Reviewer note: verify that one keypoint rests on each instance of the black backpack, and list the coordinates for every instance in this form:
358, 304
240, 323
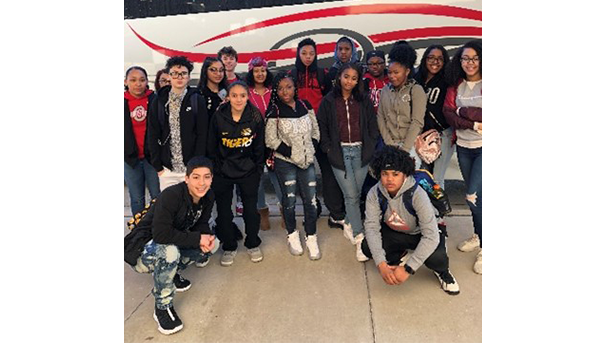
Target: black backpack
436, 195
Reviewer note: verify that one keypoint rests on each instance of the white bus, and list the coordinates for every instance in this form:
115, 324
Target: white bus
155, 30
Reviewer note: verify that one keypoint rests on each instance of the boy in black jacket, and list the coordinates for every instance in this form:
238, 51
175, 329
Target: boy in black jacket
173, 234
178, 124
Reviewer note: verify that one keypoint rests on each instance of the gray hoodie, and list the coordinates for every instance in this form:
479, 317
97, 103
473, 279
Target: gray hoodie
427, 226
398, 126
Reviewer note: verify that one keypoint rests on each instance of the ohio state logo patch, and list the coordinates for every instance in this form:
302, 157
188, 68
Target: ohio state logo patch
139, 113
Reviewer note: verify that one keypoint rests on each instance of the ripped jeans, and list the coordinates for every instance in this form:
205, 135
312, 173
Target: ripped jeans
292, 177
470, 162
164, 260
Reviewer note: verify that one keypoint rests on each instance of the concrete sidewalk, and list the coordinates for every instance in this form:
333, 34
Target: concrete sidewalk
292, 299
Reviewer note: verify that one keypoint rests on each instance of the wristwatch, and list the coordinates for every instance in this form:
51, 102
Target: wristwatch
408, 269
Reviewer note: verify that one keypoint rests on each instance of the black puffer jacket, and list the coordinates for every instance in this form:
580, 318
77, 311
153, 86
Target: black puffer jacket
193, 118
172, 219
330, 140
237, 149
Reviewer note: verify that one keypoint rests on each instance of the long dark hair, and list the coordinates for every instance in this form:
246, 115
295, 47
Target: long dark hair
421, 74
204, 73
250, 78
455, 72
358, 91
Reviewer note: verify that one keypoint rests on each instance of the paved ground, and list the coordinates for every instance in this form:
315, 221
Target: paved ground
336, 299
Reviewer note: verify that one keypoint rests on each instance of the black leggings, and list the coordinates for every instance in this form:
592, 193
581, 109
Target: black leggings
249, 187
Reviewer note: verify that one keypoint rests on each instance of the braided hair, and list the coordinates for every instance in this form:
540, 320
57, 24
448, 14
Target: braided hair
275, 99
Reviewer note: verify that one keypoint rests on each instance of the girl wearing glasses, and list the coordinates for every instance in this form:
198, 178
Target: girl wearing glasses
162, 79
348, 128
463, 111
431, 77
213, 83
138, 172
375, 77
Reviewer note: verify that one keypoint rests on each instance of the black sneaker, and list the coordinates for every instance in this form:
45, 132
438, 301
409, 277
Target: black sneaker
168, 321
335, 224
448, 282
181, 283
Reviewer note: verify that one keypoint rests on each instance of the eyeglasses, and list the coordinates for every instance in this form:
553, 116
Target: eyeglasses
466, 59
177, 75
376, 64
433, 59
215, 70
166, 81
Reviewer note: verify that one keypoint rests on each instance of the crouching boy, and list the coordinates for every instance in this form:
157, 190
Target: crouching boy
173, 234
400, 217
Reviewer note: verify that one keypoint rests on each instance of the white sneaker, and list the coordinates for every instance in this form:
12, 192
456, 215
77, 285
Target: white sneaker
448, 282
477, 267
360, 256
470, 244
348, 233
294, 244
312, 247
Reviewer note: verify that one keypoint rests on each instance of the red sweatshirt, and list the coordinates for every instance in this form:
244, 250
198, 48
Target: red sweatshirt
138, 116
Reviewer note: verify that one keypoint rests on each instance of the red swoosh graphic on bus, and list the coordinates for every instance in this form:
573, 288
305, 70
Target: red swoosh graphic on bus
426, 32
323, 48
441, 10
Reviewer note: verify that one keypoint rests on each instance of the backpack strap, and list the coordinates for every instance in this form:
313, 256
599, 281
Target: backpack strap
407, 200
382, 203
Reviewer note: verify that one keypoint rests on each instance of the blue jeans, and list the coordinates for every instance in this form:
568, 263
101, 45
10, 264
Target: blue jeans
136, 178
441, 164
351, 181
164, 260
290, 176
273, 178
470, 162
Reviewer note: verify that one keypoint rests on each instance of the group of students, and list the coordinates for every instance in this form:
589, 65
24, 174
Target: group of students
360, 127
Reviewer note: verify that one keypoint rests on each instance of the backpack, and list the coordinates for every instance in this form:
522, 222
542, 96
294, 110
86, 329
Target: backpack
132, 223
136, 239
436, 195
428, 145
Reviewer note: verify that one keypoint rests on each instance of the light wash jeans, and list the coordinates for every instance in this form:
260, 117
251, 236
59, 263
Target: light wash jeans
164, 260
136, 178
351, 181
441, 164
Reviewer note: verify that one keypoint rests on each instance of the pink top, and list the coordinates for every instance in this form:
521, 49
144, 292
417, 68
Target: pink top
260, 101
